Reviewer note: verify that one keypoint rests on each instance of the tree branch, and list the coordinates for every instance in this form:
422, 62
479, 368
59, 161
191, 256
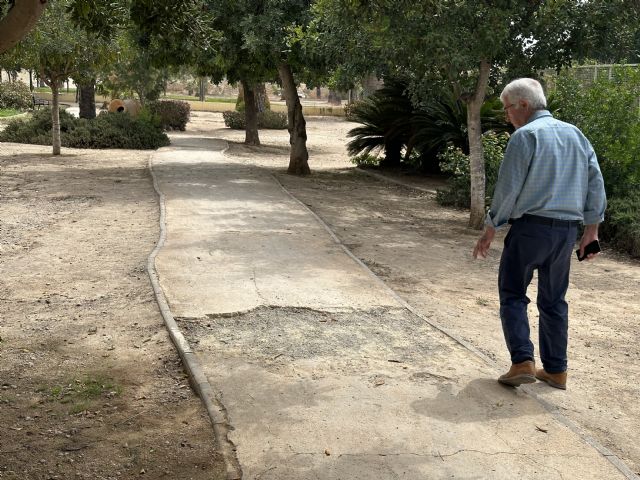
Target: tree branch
19, 21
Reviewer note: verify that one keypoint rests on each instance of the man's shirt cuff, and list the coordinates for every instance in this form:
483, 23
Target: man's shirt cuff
488, 221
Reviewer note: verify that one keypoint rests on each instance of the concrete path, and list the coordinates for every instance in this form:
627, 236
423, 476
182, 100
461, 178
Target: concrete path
323, 373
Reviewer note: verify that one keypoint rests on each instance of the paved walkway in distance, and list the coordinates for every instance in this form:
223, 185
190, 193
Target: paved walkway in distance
324, 375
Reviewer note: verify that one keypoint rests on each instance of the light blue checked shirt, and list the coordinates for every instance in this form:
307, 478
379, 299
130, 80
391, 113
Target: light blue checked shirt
549, 169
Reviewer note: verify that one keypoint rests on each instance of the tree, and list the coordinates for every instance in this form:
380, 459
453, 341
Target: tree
134, 70
17, 20
469, 45
57, 50
53, 47
267, 35
91, 63
268, 39
234, 60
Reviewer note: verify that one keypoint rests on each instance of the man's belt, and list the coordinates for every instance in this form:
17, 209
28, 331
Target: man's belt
551, 222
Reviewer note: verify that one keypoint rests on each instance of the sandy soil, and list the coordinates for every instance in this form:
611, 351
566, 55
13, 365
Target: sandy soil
90, 385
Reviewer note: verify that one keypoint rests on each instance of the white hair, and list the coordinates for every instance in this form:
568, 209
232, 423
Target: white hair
525, 89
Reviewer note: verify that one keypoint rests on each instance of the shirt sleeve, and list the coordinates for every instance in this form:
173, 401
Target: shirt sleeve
511, 177
596, 201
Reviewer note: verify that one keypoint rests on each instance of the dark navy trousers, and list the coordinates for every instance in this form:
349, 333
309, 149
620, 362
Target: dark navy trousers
547, 247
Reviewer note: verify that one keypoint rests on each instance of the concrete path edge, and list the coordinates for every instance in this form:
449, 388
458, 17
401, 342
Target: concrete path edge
215, 410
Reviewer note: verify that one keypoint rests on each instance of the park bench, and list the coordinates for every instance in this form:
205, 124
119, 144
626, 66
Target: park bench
39, 102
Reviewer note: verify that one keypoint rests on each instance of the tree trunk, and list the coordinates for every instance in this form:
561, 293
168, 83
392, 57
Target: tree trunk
476, 154
55, 118
87, 99
19, 21
299, 156
392, 154
262, 101
251, 136
240, 99
202, 92
333, 98
370, 84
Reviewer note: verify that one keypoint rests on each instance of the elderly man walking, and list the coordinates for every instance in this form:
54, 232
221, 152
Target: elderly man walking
549, 183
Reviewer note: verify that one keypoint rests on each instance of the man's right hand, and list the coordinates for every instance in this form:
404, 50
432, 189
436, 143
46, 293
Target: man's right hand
484, 242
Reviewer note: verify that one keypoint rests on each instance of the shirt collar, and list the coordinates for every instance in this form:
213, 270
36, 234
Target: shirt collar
539, 114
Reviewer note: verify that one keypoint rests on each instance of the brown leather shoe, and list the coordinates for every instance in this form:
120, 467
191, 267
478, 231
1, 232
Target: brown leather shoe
519, 373
555, 380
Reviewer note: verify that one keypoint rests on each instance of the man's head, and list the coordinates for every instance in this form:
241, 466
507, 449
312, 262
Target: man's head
521, 98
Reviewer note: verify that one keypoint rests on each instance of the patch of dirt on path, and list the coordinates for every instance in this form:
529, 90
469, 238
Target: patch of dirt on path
423, 252
90, 384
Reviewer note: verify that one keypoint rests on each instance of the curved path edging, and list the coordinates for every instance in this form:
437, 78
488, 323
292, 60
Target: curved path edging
215, 410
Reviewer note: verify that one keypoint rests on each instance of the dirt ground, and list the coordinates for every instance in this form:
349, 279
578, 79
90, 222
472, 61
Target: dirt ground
90, 385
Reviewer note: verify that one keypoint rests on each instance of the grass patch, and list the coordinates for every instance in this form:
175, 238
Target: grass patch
48, 90
8, 112
483, 302
197, 99
81, 394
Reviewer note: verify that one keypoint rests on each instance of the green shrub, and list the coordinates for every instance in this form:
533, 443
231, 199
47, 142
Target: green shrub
173, 114
622, 224
37, 128
107, 130
455, 162
267, 120
385, 118
272, 120
234, 120
116, 130
349, 110
365, 160
15, 95
607, 113
415, 133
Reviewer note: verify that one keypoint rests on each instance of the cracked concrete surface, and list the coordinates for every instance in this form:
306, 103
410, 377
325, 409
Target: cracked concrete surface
323, 374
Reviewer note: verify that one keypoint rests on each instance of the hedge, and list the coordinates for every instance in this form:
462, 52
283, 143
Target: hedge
107, 130
173, 114
15, 95
267, 119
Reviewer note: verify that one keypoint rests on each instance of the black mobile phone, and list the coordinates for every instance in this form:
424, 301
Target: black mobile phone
593, 247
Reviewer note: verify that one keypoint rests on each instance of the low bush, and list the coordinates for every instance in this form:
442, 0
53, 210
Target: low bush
622, 224
456, 163
267, 120
365, 160
36, 129
173, 114
607, 113
234, 120
349, 111
411, 132
107, 130
15, 95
